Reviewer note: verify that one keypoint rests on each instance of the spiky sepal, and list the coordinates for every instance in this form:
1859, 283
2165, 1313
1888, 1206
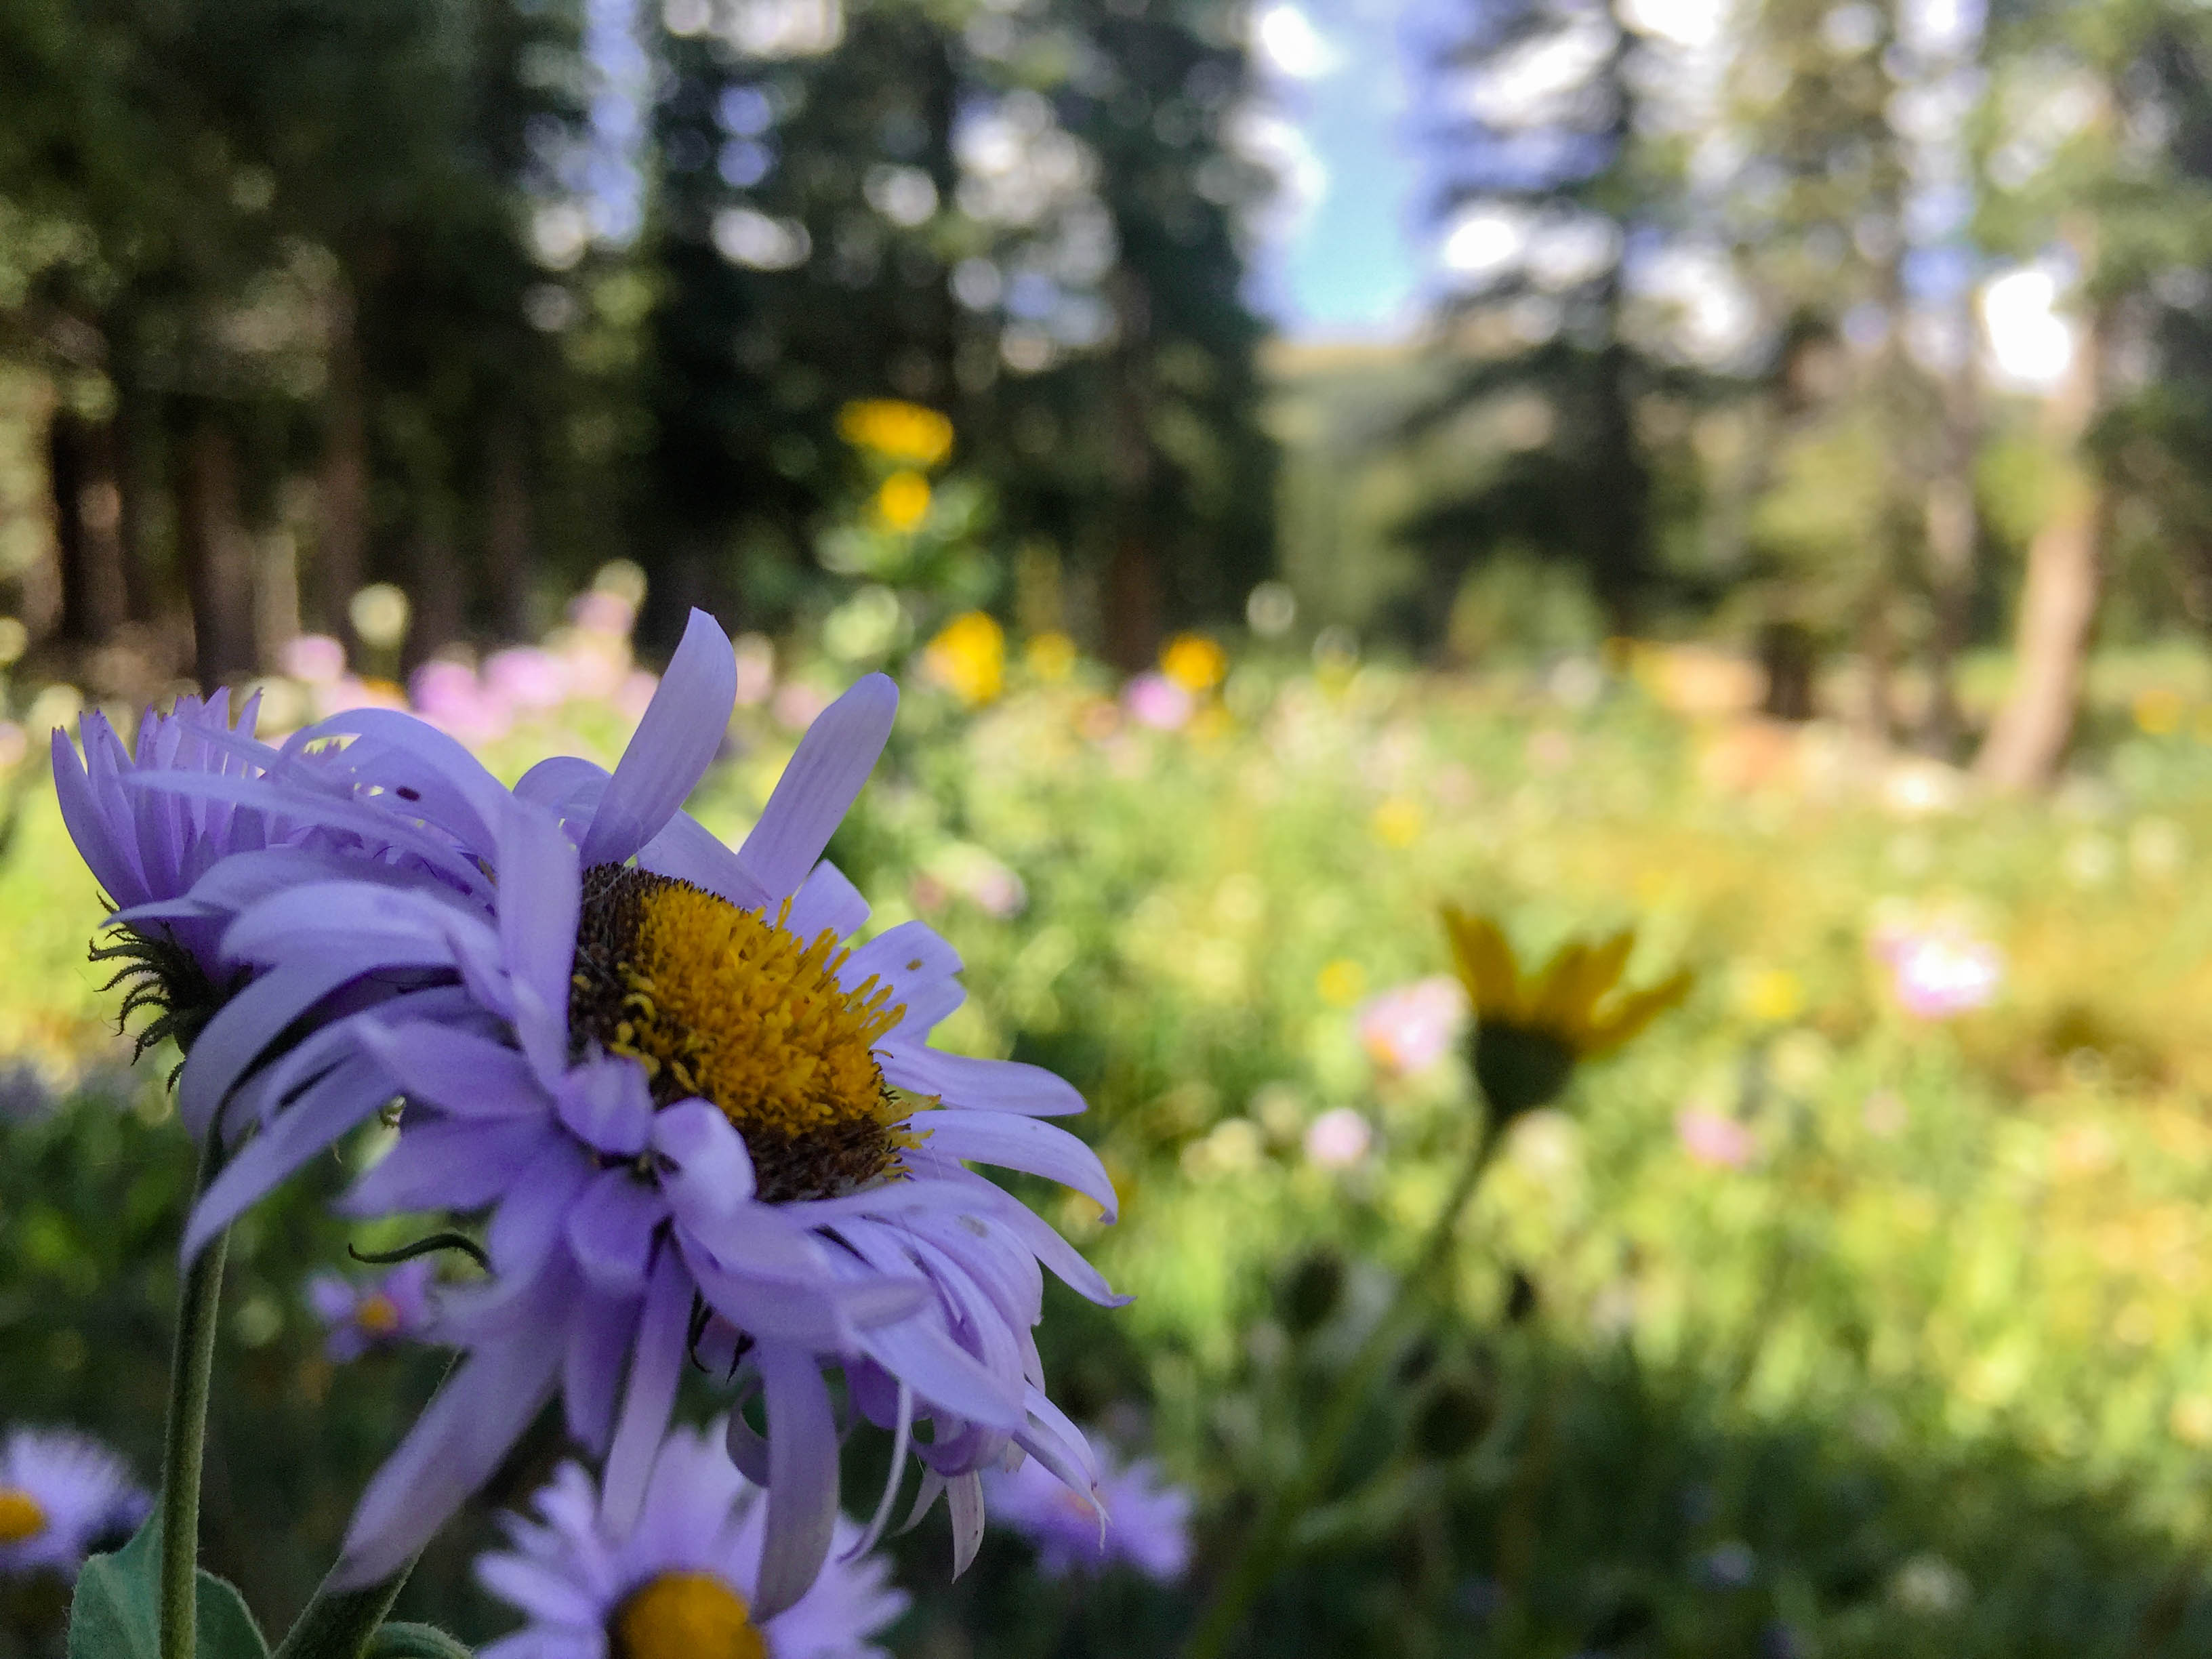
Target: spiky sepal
159, 974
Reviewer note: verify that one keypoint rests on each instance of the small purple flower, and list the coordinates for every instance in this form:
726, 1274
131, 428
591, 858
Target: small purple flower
449, 695
635, 695
679, 1578
1156, 701
1338, 1138
1728, 1566
24, 1096
601, 612
527, 678
1941, 971
1714, 1139
1139, 1517
62, 1496
397, 1309
756, 656
797, 705
314, 659
1411, 1028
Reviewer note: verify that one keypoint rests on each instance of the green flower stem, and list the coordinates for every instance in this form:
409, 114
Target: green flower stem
340, 1623
199, 1299
1256, 1563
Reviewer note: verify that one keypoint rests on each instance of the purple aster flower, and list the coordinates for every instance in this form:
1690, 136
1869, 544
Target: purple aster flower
398, 1308
143, 849
701, 1120
202, 821
1137, 1517
63, 1496
679, 1578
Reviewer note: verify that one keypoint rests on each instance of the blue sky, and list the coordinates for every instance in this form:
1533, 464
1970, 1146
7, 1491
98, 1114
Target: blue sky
1345, 260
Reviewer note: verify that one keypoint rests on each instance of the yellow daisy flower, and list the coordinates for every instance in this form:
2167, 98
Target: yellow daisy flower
1533, 1029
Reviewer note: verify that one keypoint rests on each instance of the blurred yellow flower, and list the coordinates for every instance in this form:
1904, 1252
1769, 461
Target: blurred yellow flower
896, 431
1209, 727
969, 657
1051, 657
903, 501
1194, 662
2191, 1421
1341, 982
1560, 1003
1397, 821
2158, 712
1772, 995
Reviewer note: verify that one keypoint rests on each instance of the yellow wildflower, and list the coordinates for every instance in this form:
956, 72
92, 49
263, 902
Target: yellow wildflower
1397, 821
897, 431
969, 657
1532, 1030
1341, 982
903, 501
1194, 662
2158, 712
1051, 657
1772, 995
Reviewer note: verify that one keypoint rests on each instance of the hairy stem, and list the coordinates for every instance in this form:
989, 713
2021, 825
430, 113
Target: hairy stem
1261, 1555
199, 1297
339, 1623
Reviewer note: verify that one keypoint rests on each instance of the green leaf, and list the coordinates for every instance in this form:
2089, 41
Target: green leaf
116, 1612
226, 1627
413, 1642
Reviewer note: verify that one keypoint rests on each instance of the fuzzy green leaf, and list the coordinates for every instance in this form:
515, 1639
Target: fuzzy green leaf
413, 1642
116, 1612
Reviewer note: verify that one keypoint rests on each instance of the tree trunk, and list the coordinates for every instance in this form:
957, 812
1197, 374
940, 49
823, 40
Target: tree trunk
138, 472
1129, 598
1953, 531
275, 595
439, 613
218, 559
341, 553
2058, 604
88, 528
507, 547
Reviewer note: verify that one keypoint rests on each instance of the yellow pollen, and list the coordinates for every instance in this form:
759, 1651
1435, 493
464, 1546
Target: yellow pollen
685, 1615
377, 1315
727, 1006
21, 1515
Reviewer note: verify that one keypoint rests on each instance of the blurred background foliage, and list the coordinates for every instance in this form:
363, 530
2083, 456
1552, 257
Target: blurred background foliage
1797, 455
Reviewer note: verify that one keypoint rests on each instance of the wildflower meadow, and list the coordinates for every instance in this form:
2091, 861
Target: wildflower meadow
1561, 1169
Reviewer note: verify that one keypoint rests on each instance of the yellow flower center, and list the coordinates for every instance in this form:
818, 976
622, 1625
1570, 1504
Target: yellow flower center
21, 1515
685, 1615
377, 1315
723, 1004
